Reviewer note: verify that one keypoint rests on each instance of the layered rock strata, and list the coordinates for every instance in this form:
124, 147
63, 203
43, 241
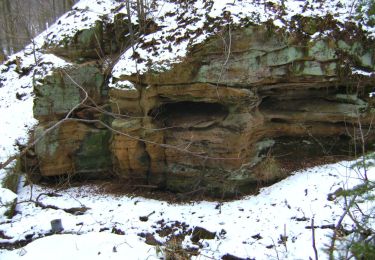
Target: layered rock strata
220, 121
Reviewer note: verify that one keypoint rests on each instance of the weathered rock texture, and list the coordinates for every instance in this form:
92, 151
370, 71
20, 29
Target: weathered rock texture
219, 121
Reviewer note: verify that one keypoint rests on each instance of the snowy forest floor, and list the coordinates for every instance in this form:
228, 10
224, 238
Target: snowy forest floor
274, 224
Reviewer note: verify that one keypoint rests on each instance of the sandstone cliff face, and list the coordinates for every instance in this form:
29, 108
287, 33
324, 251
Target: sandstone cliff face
223, 120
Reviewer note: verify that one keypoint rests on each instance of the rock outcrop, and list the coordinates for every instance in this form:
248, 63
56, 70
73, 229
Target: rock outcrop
223, 120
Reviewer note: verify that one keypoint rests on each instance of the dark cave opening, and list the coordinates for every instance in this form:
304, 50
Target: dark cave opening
183, 112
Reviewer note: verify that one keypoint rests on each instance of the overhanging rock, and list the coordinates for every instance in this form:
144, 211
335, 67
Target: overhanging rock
223, 122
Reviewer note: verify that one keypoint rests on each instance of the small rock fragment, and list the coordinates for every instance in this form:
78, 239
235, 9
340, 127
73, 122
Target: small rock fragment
202, 233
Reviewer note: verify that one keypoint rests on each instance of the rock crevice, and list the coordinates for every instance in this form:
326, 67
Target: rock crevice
214, 122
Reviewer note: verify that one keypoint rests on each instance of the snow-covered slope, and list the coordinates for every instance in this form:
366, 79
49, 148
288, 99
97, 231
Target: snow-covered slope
251, 227
17, 75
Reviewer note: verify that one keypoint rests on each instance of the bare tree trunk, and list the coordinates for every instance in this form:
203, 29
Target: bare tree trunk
7, 26
128, 10
141, 15
54, 8
21, 20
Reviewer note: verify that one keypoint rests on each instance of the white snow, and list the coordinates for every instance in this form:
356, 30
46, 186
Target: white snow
270, 214
7, 197
194, 27
244, 228
17, 75
16, 97
122, 84
84, 14
93, 245
362, 72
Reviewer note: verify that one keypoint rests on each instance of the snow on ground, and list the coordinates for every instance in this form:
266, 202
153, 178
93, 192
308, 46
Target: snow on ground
17, 76
250, 227
6, 198
93, 245
16, 106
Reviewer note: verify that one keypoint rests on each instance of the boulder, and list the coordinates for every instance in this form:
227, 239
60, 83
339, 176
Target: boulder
201, 233
221, 122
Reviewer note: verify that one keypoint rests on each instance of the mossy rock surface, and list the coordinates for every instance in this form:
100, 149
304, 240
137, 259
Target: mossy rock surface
60, 92
94, 154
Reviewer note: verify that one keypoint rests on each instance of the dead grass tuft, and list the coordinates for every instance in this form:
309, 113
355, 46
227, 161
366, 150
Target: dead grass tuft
269, 170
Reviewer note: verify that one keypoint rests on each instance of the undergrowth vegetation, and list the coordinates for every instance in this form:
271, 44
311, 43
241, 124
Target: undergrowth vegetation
11, 181
358, 202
